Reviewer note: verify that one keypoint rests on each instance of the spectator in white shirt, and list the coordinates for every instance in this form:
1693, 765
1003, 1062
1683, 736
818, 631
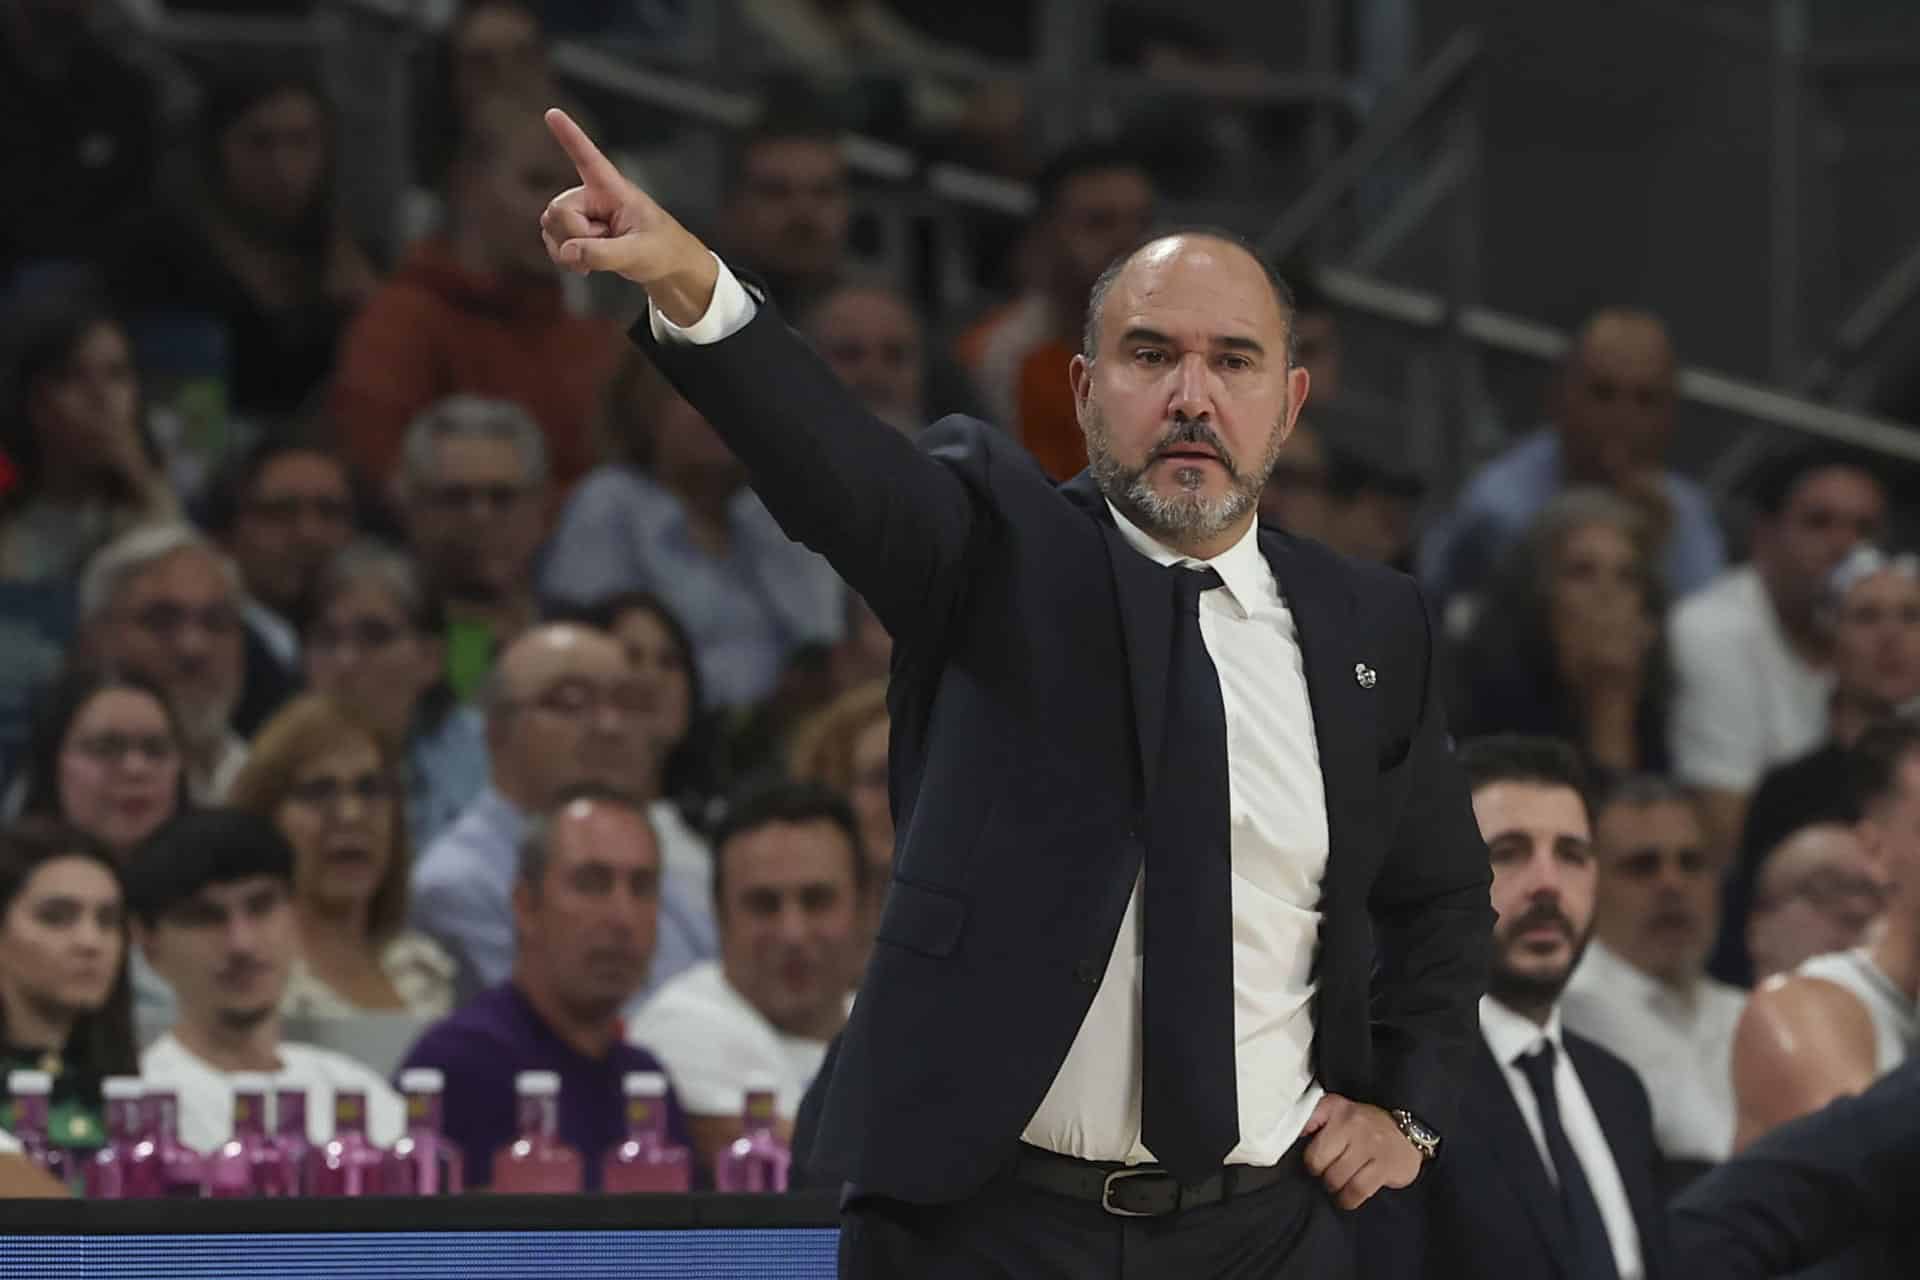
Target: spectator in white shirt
788, 876
212, 899
1751, 656
1642, 990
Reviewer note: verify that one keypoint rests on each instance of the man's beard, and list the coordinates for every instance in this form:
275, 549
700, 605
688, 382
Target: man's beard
1187, 516
1530, 990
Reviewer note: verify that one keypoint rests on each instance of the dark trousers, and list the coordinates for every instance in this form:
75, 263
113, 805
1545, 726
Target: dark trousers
1016, 1232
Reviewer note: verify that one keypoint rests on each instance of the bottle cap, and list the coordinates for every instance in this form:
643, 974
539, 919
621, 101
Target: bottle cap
123, 1089
29, 1082
422, 1080
645, 1084
538, 1084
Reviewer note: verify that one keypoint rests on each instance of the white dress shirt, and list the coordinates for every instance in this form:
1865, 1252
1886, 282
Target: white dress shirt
1678, 1040
1511, 1037
1278, 842
206, 1092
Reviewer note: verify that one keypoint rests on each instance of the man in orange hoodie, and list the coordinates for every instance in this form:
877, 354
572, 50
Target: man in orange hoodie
479, 309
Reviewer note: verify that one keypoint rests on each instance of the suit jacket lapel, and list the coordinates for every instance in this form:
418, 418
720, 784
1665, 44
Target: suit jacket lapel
1343, 711
1516, 1153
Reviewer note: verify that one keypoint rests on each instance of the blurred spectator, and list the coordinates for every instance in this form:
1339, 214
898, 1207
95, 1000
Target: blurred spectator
164, 601
563, 711
1613, 421
1372, 504
1297, 497
212, 901
1095, 202
871, 337
479, 310
1844, 1019
670, 773
788, 878
1556, 1174
1641, 991
77, 464
260, 248
474, 487
78, 126
107, 757
491, 49
327, 780
1567, 642
378, 643
64, 1004
844, 748
1815, 892
282, 510
785, 210
585, 893
677, 519
1872, 609
1751, 657
1317, 344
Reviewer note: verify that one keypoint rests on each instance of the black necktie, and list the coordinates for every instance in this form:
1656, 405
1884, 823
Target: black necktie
1189, 1108
1587, 1232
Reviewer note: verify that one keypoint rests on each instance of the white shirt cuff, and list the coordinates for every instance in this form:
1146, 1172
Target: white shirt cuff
727, 314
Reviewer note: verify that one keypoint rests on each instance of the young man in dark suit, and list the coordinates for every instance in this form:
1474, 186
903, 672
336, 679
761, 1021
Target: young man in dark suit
1189, 914
1551, 1169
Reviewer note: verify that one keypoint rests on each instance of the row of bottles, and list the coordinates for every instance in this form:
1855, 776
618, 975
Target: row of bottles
144, 1159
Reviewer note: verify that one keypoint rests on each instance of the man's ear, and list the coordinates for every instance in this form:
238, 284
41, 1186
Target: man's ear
1080, 378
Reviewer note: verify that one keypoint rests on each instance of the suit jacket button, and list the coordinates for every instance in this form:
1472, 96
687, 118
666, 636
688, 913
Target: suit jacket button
1087, 972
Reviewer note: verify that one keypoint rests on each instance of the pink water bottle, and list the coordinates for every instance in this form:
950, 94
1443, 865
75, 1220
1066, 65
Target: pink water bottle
425, 1162
123, 1169
32, 1094
182, 1170
290, 1133
248, 1164
349, 1164
537, 1162
648, 1160
757, 1160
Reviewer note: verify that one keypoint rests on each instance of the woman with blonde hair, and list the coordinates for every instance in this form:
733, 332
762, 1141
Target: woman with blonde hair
844, 745
325, 776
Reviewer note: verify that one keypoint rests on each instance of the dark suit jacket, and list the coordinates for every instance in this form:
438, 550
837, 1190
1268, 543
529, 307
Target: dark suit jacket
1830, 1195
1027, 693
1486, 1207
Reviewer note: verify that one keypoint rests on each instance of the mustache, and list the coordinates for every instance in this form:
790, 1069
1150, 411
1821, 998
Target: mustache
1535, 916
1187, 431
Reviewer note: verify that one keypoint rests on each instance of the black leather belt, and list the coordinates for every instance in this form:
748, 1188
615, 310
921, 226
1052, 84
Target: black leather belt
1142, 1190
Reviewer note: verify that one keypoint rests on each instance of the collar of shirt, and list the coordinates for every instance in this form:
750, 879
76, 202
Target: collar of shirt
1509, 1035
1241, 566
1609, 971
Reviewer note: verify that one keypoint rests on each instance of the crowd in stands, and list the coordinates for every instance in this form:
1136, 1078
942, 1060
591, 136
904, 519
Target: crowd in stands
390, 644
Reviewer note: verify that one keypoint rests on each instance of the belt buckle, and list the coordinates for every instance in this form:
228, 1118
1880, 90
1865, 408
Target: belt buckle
1119, 1175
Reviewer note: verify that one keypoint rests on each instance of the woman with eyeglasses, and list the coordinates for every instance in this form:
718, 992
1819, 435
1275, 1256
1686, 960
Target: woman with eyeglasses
377, 643
322, 773
65, 1005
107, 755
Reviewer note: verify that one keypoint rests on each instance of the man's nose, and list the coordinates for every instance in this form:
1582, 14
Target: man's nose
1193, 387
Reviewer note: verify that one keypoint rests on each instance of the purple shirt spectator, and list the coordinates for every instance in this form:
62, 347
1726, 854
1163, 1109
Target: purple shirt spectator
482, 1046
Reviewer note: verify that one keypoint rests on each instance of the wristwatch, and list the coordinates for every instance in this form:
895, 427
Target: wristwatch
1424, 1140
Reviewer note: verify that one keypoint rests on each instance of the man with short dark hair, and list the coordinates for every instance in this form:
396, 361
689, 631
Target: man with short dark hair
1094, 202
586, 898
1553, 1171
212, 902
870, 336
1844, 1019
1642, 991
1752, 660
282, 512
788, 873
786, 207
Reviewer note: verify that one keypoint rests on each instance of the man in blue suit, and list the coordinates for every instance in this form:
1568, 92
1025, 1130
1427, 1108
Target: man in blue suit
1189, 915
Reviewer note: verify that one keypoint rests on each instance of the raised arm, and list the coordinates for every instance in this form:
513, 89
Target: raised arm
895, 522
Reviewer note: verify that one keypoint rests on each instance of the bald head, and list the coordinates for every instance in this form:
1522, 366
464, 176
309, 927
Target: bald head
1817, 891
1185, 389
562, 708
1616, 392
